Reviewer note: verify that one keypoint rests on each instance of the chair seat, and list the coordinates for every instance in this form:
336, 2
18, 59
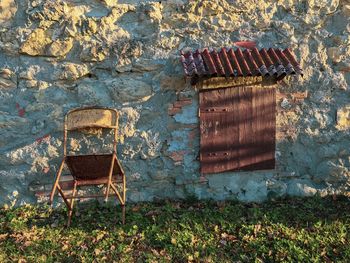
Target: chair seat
92, 167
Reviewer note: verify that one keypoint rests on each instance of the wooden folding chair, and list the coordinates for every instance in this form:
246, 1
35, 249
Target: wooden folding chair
91, 169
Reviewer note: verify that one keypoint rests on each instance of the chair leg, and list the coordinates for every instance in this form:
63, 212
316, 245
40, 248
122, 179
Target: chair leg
124, 199
124, 188
109, 178
63, 196
70, 208
56, 184
123, 214
107, 191
121, 200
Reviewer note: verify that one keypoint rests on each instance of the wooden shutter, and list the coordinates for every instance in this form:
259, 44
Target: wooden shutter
237, 127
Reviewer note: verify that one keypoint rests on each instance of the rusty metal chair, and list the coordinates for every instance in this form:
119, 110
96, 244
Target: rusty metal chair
91, 169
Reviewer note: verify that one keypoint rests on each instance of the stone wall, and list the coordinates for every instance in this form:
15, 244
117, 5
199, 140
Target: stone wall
57, 55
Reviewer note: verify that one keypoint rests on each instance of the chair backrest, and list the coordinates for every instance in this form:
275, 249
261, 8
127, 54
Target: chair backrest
90, 117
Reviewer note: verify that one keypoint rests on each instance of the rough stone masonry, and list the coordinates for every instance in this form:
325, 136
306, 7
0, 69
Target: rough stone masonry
56, 55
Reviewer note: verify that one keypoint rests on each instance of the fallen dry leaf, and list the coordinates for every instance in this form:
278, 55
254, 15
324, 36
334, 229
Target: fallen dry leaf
97, 251
136, 208
228, 237
3, 236
152, 213
257, 229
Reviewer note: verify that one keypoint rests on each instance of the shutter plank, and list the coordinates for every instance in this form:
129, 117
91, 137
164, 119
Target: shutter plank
264, 126
232, 129
218, 132
259, 127
270, 128
246, 150
207, 131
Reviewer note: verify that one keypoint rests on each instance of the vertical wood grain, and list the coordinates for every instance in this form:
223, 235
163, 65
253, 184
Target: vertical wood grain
237, 129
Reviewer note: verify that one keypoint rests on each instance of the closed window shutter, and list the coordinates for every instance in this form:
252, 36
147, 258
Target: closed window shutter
237, 127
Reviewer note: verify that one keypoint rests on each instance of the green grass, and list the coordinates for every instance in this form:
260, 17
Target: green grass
292, 230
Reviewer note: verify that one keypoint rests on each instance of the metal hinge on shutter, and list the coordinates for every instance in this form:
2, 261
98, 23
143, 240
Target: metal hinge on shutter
218, 154
215, 110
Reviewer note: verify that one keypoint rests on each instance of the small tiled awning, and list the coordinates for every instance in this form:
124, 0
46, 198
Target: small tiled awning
229, 62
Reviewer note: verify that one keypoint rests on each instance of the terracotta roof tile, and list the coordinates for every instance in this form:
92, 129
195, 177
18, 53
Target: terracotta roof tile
237, 62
